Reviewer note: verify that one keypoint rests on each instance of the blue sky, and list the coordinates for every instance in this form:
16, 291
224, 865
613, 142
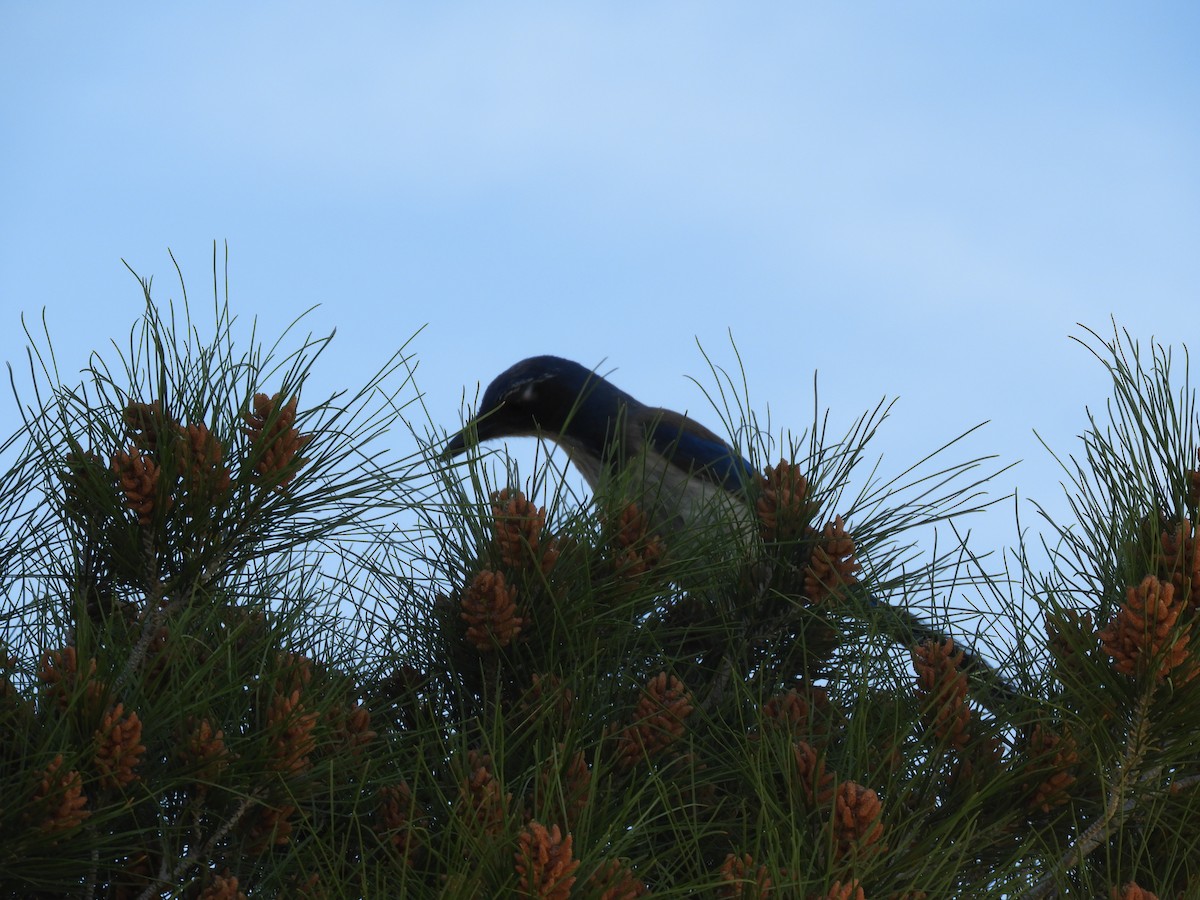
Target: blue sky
917, 200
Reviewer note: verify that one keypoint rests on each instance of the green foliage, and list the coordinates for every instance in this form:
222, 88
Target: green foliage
248, 652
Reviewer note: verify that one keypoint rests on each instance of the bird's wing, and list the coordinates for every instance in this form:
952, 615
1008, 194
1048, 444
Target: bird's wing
693, 447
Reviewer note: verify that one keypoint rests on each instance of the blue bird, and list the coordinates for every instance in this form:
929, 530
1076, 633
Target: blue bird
682, 473
683, 468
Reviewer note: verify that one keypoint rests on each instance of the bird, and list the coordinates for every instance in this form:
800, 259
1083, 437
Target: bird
682, 473
678, 470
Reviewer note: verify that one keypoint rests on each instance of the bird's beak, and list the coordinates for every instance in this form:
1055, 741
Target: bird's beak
461, 442
479, 429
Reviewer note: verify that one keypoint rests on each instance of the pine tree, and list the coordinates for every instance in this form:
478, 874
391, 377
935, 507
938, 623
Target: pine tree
250, 651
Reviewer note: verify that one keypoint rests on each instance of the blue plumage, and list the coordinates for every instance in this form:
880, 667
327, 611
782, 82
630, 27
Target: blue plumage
604, 431
692, 446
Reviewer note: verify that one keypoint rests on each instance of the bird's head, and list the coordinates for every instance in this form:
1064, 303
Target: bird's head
542, 395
